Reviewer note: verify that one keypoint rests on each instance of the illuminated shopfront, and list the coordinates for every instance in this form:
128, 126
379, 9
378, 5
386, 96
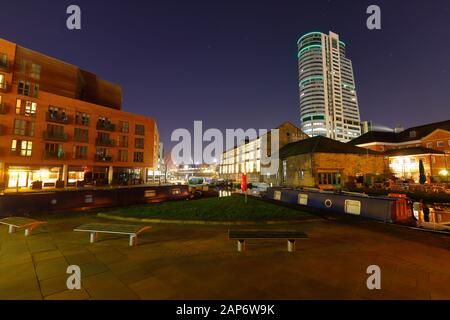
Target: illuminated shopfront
23, 177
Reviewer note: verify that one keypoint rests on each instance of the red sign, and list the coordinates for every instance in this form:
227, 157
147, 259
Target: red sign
244, 183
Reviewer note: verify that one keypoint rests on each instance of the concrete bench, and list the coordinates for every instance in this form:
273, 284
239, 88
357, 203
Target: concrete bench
28, 224
289, 235
127, 229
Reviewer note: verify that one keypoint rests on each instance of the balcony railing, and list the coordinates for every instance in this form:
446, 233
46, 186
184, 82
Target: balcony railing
55, 136
55, 155
107, 126
103, 158
4, 65
18, 153
105, 142
3, 108
83, 139
79, 156
58, 117
4, 86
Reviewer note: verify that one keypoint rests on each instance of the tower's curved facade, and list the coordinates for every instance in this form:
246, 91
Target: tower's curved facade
328, 100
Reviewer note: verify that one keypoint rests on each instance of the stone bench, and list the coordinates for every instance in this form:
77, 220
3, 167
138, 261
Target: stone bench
126, 229
28, 224
242, 235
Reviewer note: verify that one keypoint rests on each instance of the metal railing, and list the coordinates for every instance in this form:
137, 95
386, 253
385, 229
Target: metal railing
55, 136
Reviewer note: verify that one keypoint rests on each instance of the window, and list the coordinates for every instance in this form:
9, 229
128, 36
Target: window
430, 145
332, 178
30, 108
440, 144
82, 118
26, 108
124, 126
138, 157
123, 141
22, 147
301, 175
139, 129
139, 143
123, 156
81, 135
23, 127
277, 195
36, 91
24, 88
35, 71
284, 169
23, 66
2, 81
353, 207
303, 199
3, 60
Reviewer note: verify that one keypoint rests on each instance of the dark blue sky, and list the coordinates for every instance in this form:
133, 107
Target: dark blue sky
234, 63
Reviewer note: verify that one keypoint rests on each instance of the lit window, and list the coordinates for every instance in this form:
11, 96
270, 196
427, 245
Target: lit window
30, 108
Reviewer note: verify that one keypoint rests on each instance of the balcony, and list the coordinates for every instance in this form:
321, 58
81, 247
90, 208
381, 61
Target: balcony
103, 158
4, 65
3, 108
4, 87
79, 156
106, 126
55, 136
54, 155
18, 153
105, 142
58, 117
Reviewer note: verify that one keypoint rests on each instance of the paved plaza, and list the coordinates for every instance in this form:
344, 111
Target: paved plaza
199, 262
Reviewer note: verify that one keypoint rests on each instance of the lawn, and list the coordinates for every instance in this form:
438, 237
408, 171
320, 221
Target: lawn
213, 209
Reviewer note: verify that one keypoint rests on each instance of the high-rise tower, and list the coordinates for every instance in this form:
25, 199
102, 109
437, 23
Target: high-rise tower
328, 100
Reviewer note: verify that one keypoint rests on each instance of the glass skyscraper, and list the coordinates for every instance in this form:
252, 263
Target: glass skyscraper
328, 99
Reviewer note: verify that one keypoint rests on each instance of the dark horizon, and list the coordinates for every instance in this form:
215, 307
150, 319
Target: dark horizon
234, 65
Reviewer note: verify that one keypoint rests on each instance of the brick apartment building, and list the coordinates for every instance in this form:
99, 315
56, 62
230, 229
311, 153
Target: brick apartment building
62, 126
404, 150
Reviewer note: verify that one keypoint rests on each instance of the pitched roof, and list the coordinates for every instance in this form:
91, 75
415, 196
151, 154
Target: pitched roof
411, 151
322, 145
411, 134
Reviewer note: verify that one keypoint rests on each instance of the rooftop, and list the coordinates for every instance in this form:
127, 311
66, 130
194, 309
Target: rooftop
411, 151
322, 145
411, 134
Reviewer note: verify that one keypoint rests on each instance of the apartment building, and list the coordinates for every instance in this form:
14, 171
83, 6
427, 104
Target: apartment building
63, 126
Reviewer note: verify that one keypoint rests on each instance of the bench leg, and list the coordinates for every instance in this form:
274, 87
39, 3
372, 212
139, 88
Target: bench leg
133, 240
11, 229
241, 245
291, 245
93, 237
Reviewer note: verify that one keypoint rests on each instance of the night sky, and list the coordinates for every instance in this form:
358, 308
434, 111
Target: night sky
233, 64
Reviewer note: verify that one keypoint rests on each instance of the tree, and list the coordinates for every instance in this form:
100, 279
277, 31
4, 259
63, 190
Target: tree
422, 177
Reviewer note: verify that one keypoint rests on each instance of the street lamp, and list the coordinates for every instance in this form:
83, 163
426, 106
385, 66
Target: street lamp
444, 173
